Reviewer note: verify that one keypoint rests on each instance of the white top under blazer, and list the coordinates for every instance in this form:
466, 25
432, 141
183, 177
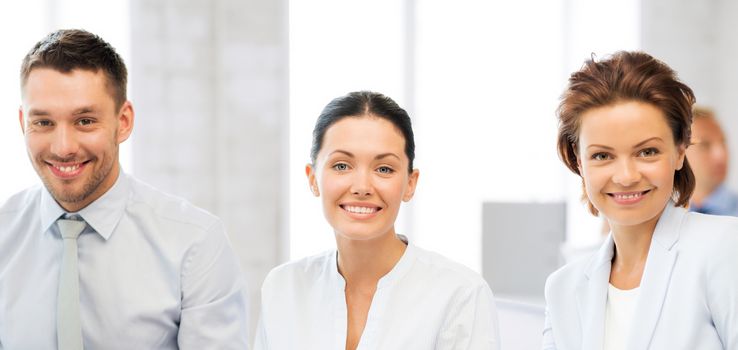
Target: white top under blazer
425, 302
688, 296
619, 315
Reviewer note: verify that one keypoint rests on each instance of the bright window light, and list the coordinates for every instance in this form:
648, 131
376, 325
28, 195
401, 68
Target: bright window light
481, 80
333, 51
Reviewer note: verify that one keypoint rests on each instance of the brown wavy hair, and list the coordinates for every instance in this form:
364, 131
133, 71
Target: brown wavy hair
621, 77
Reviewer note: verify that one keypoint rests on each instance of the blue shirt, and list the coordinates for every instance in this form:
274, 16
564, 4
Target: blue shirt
155, 272
722, 201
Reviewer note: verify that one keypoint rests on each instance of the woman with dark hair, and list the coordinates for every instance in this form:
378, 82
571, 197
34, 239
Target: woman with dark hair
664, 278
377, 290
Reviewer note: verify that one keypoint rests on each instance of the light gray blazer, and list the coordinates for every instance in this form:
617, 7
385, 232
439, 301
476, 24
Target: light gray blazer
688, 297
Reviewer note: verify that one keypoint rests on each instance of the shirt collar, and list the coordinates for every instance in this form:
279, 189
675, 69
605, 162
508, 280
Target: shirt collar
50, 209
668, 228
665, 235
402, 267
398, 271
102, 215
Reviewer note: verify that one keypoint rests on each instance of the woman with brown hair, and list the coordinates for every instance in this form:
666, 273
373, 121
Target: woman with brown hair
664, 278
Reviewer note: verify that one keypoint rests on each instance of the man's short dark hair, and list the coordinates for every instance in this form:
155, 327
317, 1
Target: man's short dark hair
68, 49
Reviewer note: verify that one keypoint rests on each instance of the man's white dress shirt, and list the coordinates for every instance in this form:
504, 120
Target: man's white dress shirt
425, 302
155, 272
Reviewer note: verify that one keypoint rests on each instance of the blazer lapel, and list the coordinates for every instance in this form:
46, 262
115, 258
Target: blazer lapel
656, 276
592, 296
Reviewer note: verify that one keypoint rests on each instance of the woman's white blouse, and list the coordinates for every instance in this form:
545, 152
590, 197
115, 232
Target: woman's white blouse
619, 316
425, 302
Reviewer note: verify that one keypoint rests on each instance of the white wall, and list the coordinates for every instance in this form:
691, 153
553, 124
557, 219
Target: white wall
336, 46
487, 78
211, 95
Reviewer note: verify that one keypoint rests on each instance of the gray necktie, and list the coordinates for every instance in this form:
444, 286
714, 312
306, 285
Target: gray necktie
68, 323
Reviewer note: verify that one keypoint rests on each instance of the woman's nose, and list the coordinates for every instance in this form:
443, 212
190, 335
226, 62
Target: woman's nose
627, 173
361, 184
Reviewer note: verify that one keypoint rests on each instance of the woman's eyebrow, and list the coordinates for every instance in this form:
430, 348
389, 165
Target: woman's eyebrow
385, 155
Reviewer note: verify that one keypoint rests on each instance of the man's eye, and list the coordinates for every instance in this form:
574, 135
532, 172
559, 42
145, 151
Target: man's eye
42, 122
86, 121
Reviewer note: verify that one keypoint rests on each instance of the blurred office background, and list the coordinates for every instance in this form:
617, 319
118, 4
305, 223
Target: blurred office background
226, 92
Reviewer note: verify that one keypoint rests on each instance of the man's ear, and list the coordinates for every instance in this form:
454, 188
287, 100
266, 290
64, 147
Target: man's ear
126, 117
20, 120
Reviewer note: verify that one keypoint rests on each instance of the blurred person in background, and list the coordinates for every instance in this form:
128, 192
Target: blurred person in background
709, 156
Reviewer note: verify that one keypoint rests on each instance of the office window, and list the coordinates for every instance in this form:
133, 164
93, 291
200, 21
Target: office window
336, 47
481, 81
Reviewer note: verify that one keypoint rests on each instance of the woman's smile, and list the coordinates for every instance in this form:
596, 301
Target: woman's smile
360, 211
628, 198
